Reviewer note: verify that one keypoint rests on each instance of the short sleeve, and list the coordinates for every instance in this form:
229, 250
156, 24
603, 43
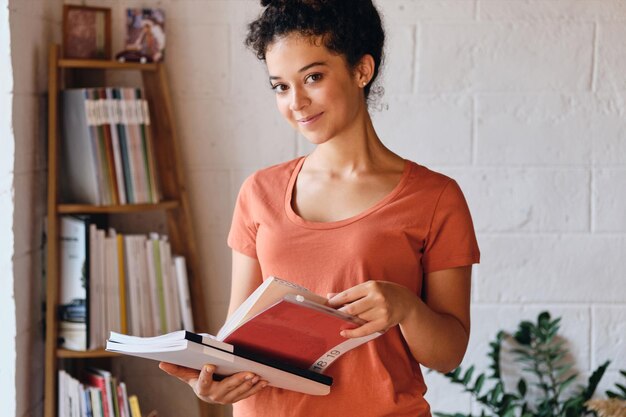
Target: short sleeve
451, 240
243, 229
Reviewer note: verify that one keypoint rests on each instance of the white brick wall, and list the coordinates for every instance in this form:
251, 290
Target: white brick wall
522, 101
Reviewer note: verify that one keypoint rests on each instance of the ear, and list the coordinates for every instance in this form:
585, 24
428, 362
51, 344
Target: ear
364, 70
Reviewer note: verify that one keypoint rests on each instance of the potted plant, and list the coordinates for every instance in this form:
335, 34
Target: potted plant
543, 356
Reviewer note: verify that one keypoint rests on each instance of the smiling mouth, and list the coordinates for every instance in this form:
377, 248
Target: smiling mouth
310, 119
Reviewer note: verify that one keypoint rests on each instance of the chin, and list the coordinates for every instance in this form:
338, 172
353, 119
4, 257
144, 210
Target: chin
315, 139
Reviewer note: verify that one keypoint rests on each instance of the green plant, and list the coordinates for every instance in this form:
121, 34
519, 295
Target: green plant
543, 355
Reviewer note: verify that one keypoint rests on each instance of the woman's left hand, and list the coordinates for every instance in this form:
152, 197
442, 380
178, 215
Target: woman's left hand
381, 304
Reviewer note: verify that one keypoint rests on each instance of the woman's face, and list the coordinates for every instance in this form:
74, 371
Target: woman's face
315, 90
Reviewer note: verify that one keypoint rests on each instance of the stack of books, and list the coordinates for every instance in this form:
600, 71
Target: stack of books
126, 283
107, 151
282, 332
99, 394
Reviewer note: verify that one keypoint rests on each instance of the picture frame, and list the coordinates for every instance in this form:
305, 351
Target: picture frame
145, 36
86, 32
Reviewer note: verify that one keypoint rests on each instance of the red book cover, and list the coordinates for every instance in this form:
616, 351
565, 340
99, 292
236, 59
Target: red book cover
98, 382
296, 331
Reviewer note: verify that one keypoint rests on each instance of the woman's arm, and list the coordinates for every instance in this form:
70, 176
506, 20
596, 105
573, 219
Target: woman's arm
435, 327
246, 276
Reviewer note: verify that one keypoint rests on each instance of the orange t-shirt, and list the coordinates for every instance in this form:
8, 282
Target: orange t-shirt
423, 225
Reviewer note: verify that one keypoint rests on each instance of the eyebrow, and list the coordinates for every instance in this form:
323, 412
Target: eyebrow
304, 68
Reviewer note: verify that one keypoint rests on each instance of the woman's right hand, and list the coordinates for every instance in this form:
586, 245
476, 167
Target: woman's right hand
227, 391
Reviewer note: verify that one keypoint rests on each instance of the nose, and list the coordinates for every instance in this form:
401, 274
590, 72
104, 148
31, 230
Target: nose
299, 99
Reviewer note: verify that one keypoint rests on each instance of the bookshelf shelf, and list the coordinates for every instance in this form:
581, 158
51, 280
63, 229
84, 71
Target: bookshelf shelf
74, 354
69, 73
106, 64
126, 208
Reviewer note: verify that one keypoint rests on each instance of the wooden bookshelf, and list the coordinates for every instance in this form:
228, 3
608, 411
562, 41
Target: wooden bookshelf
125, 208
74, 354
104, 64
175, 204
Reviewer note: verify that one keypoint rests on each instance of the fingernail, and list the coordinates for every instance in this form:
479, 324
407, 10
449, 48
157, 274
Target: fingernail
255, 379
249, 377
207, 368
342, 333
263, 384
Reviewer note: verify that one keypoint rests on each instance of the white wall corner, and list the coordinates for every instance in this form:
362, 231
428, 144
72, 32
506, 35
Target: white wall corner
7, 157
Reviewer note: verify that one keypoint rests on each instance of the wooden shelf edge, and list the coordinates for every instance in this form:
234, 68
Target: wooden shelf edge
75, 354
106, 64
126, 208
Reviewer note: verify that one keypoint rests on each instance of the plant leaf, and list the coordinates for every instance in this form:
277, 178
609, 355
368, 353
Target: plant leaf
594, 380
479, 384
468, 375
522, 387
563, 385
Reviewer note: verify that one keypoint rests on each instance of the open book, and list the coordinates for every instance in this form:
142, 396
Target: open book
282, 332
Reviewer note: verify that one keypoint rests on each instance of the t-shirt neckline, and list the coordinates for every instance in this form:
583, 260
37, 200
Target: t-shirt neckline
295, 218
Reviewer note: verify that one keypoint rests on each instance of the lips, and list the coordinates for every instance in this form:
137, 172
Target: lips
309, 119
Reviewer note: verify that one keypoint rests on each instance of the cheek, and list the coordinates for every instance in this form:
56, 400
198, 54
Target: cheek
283, 108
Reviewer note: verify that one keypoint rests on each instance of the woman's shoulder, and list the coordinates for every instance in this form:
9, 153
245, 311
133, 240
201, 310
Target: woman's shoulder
423, 176
272, 178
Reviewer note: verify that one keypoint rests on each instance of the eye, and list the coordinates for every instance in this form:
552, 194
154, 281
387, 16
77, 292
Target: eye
314, 78
279, 88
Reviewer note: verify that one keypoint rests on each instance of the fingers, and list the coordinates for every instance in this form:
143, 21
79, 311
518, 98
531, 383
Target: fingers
367, 329
181, 372
247, 388
230, 389
202, 386
348, 296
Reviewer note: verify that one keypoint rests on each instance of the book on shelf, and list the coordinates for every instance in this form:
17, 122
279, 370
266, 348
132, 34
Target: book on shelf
107, 151
72, 309
283, 332
96, 394
108, 282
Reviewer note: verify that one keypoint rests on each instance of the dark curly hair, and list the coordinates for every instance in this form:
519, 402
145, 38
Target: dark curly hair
352, 28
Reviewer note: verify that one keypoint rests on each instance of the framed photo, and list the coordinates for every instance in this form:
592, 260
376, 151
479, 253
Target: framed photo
86, 32
145, 35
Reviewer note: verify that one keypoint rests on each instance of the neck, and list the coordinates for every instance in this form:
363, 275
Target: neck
356, 150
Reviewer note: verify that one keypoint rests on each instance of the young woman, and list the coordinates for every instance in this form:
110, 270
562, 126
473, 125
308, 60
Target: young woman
387, 239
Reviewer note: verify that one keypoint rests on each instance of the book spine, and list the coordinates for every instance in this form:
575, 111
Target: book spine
122, 284
129, 131
133, 292
73, 279
94, 298
96, 402
160, 288
114, 398
103, 150
80, 165
135, 146
169, 296
124, 144
145, 153
134, 406
183, 292
125, 399
113, 122
105, 121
